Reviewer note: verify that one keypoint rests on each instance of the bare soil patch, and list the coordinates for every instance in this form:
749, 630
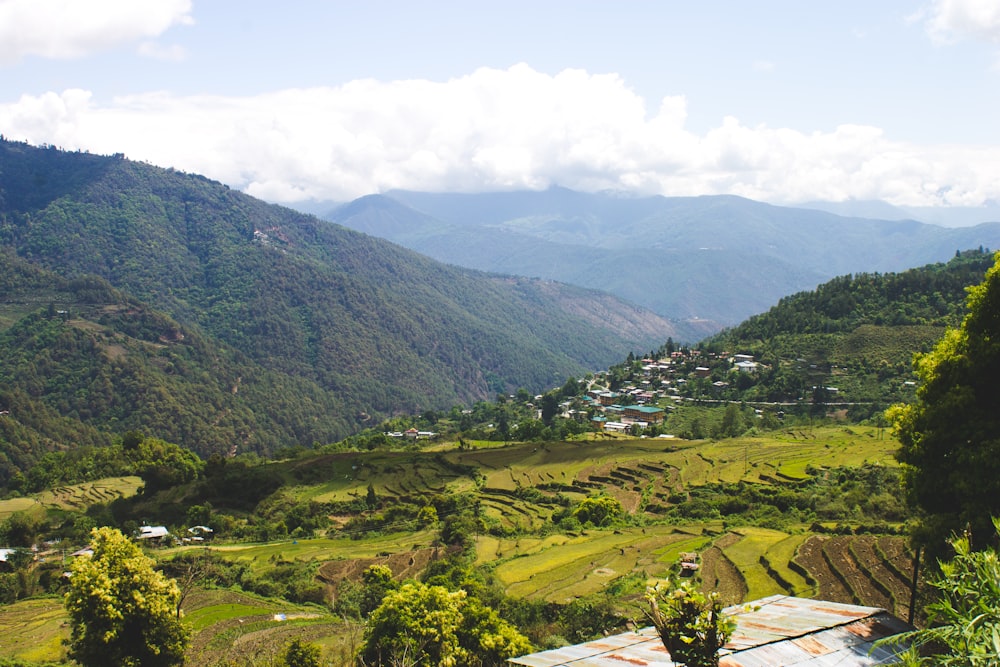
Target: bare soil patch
720, 575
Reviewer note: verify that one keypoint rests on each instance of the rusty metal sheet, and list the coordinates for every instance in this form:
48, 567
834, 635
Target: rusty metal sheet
770, 632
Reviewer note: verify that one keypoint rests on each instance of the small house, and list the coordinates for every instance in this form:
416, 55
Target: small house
152, 532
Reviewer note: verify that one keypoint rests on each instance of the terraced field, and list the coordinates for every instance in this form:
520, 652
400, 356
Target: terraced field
72, 497
33, 630
81, 496
742, 565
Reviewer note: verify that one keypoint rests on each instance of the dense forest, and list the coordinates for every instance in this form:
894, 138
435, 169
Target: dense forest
135, 296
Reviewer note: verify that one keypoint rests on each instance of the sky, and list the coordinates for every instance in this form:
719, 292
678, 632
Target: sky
780, 101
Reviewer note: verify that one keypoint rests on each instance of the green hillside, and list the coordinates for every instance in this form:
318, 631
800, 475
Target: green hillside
854, 336
229, 323
80, 362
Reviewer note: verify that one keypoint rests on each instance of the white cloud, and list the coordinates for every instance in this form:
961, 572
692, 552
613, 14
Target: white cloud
165, 52
63, 29
497, 129
948, 20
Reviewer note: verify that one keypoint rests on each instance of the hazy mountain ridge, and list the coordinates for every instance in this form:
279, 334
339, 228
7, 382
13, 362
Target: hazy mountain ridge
721, 258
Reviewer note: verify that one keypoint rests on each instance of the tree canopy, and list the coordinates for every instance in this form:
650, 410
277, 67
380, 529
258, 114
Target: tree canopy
121, 610
429, 626
951, 436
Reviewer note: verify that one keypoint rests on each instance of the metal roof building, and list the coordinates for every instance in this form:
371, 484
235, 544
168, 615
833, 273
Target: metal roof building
776, 631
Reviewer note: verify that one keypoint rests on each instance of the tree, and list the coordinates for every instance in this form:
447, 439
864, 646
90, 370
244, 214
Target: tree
377, 582
951, 436
690, 624
732, 422
426, 626
301, 654
19, 530
600, 510
550, 407
162, 464
964, 620
121, 610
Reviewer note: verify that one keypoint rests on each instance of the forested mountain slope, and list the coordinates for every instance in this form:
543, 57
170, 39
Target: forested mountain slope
344, 326
852, 339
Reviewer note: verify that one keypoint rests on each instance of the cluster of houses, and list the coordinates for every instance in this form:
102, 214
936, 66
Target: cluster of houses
412, 434
612, 416
635, 405
160, 535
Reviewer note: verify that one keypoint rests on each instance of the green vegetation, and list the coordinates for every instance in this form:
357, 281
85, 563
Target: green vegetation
142, 298
320, 504
121, 611
690, 624
428, 626
951, 435
964, 623
855, 333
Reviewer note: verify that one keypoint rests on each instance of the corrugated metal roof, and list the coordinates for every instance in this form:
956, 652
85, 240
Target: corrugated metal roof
770, 632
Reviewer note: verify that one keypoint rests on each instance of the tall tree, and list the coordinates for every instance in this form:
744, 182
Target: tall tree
951, 436
121, 610
427, 626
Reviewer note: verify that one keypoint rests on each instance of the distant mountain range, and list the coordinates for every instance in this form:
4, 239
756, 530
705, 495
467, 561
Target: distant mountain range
950, 216
707, 261
134, 297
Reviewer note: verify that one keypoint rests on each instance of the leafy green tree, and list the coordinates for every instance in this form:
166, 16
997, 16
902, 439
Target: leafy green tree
733, 424
301, 654
690, 624
599, 510
951, 436
587, 618
427, 516
19, 530
378, 582
163, 464
550, 407
428, 626
121, 610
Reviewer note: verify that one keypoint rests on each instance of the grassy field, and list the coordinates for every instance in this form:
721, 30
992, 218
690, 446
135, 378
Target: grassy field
263, 555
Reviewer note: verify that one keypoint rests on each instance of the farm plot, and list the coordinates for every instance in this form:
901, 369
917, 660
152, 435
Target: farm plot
34, 630
261, 555
14, 505
830, 584
234, 626
81, 496
512, 513
777, 560
584, 563
889, 582
746, 554
394, 476
720, 575
858, 569
404, 565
